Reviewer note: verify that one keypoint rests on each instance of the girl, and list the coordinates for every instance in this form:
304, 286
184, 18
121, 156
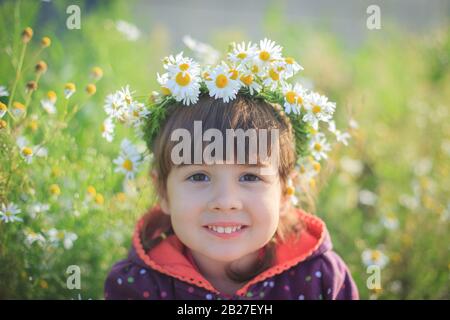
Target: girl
226, 230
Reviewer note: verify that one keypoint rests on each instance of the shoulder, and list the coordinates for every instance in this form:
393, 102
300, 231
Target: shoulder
130, 280
325, 276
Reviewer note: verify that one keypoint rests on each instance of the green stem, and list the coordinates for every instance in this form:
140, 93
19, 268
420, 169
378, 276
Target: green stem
18, 72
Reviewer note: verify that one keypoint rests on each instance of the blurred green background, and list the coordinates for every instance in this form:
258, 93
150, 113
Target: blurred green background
386, 195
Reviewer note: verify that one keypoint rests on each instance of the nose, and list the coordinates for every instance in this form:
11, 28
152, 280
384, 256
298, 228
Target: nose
225, 198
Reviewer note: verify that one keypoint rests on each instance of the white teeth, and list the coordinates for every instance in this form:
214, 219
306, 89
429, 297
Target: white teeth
225, 229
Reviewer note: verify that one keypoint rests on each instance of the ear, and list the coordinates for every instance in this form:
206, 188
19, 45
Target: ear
163, 202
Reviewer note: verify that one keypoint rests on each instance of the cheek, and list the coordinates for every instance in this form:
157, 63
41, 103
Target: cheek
265, 209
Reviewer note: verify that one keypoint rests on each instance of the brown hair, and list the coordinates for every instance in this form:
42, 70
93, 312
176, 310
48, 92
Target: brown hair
241, 113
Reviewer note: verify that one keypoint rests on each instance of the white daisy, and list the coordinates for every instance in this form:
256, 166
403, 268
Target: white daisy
267, 52
275, 75
294, 97
177, 64
183, 78
318, 109
162, 80
26, 151
136, 113
291, 192
374, 257
249, 81
389, 221
125, 95
3, 109
340, 136
115, 105
57, 236
18, 109
128, 160
69, 239
37, 208
223, 83
3, 91
69, 89
48, 106
291, 67
8, 213
108, 129
32, 237
319, 146
242, 53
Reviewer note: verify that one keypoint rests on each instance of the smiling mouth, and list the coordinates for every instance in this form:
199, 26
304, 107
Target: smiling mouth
225, 229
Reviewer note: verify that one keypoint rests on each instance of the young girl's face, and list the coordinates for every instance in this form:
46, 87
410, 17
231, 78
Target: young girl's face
208, 204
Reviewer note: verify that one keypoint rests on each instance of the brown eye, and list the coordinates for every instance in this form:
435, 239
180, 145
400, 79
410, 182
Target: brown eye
198, 177
249, 178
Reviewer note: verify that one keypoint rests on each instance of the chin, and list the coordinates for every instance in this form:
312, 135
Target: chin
224, 256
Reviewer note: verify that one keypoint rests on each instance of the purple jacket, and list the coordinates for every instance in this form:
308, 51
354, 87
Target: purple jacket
304, 268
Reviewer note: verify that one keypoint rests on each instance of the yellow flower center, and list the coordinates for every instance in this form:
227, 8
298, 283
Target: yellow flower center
54, 189
184, 67
91, 190
26, 151
316, 166
376, 255
183, 79
70, 86
221, 81
289, 60
46, 42
317, 146
91, 89
97, 72
242, 55
274, 75
128, 165
234, 74
19, 106
206, 75
255, 69
316, 109
291, 97
51, 95
99, 199
165, 91
290, 191
264, 55
302, 169
121, 197
33, 125
3, 107
248, 79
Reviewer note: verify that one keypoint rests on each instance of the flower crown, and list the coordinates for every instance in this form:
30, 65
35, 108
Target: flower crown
257, 71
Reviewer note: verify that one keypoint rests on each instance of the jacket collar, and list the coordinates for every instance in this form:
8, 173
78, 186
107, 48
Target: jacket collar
170, 256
